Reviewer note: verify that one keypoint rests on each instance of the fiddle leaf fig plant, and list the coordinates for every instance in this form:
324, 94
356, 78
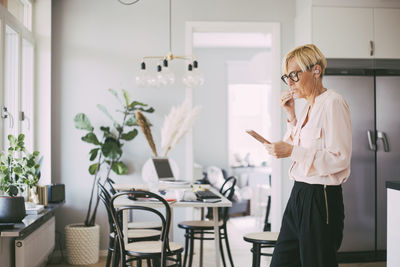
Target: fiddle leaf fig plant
18, 167
108, 143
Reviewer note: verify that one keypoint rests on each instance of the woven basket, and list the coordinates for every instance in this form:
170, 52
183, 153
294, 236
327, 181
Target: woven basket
82, 243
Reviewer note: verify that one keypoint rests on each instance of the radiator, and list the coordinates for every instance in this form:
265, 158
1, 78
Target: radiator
33, 251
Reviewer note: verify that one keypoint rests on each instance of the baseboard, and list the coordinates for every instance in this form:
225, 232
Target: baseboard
58, 257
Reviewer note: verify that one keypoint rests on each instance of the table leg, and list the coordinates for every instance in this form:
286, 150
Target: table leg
171, 227
217, 240
125, 215
201, 240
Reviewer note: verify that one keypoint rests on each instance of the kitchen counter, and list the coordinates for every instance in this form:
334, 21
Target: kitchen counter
393, 222
393, 185
30, 223
35, 235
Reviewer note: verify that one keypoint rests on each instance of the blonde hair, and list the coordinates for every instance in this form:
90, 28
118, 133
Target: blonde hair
306, 56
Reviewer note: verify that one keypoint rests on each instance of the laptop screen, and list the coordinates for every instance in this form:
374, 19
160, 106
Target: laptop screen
163, 168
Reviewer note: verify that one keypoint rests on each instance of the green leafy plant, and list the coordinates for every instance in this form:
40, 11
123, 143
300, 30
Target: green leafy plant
18, 167
108, 149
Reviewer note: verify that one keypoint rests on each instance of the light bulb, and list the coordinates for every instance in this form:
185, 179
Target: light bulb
168, 75
143, 76
160, 77
188, 79
152, 80
198, 76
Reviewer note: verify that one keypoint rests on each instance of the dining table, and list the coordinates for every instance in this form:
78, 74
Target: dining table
178, 203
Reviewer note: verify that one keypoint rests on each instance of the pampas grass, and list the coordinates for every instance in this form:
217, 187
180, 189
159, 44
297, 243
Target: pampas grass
176, 124
142, 122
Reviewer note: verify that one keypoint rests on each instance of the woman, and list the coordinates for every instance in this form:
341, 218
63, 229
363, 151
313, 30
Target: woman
319, 144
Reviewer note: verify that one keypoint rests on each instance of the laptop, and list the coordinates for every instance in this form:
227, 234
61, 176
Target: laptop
164, 171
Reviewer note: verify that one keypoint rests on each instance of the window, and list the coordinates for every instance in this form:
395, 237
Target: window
27, 94
17, 66
21, 10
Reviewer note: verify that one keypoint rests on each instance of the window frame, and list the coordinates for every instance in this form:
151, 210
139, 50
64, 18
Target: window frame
7, 19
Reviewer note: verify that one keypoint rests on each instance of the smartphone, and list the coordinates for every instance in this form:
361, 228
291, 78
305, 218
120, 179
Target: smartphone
257, 136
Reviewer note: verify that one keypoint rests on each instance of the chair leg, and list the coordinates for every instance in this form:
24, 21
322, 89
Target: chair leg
116, 256
221, 249
191, 248
139, 262
157, 262
148, 262
256, 255
186, 247
228, 249
110, 252
179, 259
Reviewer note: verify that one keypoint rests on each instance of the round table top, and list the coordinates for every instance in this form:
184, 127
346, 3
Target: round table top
262, 237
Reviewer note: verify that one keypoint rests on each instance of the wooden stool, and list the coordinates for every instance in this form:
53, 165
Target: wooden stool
261, 240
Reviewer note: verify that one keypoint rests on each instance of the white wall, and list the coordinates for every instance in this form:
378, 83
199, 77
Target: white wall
98, 44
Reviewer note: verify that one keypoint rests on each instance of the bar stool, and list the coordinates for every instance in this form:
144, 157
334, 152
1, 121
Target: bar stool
261, 240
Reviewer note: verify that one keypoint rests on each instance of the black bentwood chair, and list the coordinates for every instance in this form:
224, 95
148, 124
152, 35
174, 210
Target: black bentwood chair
135, 224
160, 252
133, 234
197, 229
261, 240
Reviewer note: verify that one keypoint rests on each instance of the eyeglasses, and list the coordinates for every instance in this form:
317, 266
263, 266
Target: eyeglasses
294, 76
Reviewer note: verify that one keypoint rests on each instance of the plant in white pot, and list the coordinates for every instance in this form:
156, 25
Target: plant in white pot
82, 239
19, 170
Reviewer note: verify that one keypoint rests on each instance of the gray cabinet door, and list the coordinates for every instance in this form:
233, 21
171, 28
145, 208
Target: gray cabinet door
359, 190
388, 162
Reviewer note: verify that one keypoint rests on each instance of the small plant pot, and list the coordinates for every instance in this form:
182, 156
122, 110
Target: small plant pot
12, 209
82, 243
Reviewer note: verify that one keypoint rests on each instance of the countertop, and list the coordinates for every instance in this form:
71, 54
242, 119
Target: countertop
30, 223
393, 185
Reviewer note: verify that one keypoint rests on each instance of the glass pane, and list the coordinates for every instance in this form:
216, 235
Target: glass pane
28, 15
16, 7
11, 85
21, 9
27, 95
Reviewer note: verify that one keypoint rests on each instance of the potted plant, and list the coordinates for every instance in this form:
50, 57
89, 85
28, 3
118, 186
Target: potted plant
19, 169
106, 159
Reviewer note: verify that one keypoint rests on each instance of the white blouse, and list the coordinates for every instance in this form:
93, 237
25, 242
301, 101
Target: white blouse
322, 148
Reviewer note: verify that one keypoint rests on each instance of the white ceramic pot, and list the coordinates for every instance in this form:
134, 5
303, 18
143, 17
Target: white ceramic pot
82, 243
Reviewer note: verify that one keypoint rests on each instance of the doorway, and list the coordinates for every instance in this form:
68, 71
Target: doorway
237, 59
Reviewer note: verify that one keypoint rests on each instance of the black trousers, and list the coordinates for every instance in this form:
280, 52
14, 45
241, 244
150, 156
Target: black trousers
312, 227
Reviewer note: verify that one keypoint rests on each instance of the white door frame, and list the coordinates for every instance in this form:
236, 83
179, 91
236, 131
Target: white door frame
241, 27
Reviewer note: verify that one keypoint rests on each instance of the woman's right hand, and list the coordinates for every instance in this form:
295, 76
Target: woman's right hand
287, 103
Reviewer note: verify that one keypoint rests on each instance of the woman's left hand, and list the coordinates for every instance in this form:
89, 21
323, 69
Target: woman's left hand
279, 149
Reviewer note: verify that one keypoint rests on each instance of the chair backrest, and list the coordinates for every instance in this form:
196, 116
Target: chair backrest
111, 183
142, 196
105, 197
228, 190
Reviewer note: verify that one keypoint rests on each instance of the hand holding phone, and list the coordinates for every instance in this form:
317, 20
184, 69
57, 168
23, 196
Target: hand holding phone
258, 137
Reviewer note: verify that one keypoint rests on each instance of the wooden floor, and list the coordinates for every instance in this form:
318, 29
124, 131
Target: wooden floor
237, 227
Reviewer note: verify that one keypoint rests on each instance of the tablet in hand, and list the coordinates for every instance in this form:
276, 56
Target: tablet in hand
257, 136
